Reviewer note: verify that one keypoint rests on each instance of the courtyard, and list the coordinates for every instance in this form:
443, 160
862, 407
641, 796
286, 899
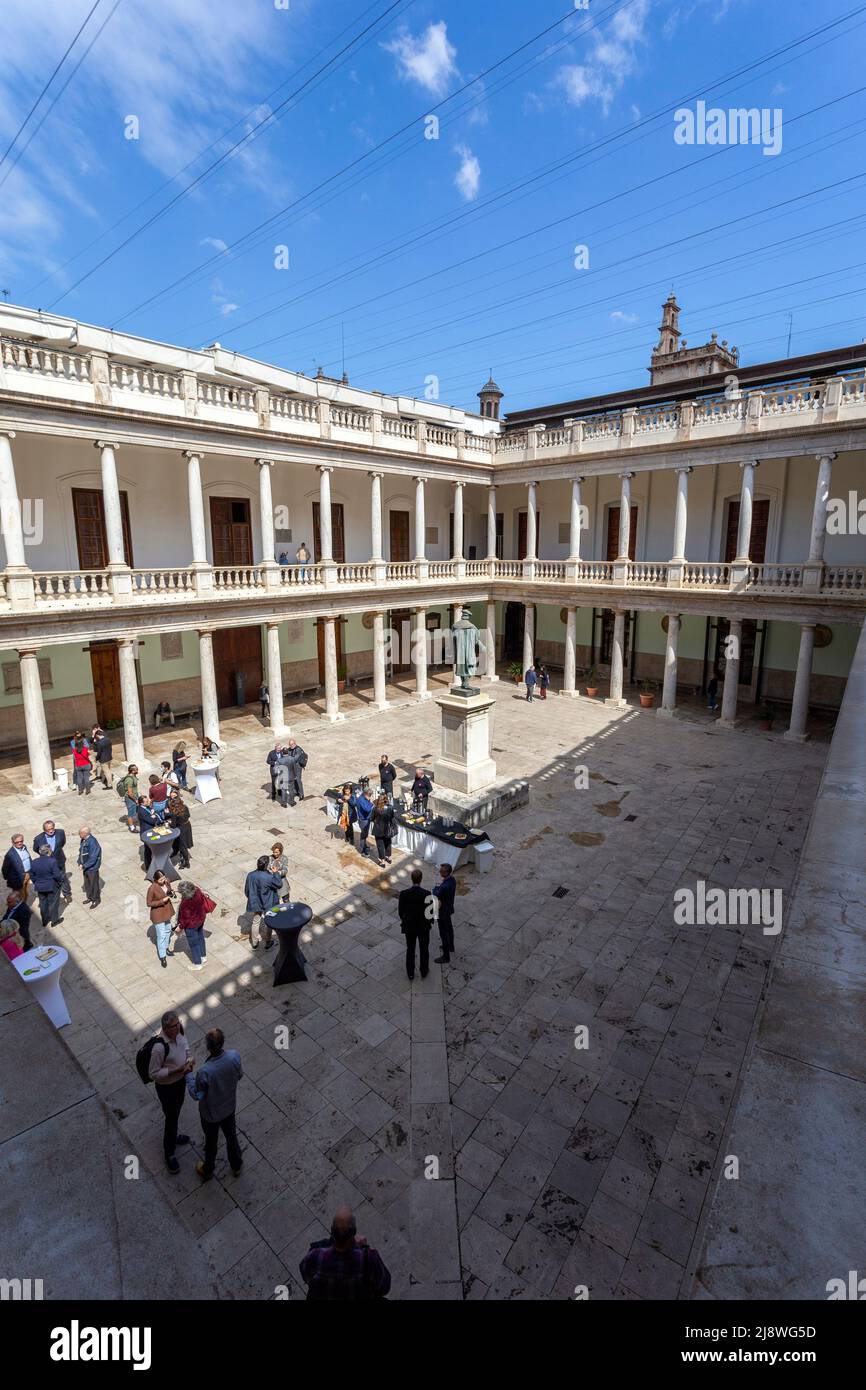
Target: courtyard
490, 1147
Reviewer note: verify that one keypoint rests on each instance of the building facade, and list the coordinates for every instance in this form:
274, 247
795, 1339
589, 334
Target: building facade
154, 500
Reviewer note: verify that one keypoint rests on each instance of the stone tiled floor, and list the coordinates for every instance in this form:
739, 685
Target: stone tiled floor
559, 1165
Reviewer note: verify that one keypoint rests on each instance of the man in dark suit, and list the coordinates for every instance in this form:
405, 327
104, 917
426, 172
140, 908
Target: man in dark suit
416, 919
55, 839
444, 892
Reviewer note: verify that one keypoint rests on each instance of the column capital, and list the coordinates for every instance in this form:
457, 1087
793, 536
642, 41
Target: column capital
194, 454
106, 444
749, 463
264, 463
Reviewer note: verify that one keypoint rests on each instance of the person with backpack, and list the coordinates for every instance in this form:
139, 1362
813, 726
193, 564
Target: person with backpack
159, 897
344, 1268
530, 680
127, 787
166, 1061
195, 905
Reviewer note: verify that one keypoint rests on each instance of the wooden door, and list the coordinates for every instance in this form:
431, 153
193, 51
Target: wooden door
231, 532
613, 533
237, 649
105, 669
88, 510
399, 536
338, 534
758, 538
521, 533
320, 649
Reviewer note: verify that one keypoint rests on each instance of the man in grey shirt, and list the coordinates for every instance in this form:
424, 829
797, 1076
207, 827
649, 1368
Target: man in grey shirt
215, 1087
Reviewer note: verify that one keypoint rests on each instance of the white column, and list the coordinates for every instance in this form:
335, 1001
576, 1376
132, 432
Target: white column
420, 521
528, 636
616, 657
10, 506
419, 653
569, 680
681, 515
732, 672
133, 738
819, 513
747, 493
38, 748
531, 523
111, 504
376, 517
574, 521
624, 515
458, 522
332, 694
325, 535
669, 688
210, 715
800, 702
266, 511
491, 523
379, 696
275, 680
490, 640
196, 508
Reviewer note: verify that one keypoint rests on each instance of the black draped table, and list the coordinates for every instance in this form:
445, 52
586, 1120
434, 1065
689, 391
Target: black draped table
288, 921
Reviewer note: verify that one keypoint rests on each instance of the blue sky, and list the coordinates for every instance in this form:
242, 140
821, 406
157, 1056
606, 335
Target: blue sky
435, 260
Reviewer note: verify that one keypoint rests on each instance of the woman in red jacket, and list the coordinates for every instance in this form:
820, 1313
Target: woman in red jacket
194, 908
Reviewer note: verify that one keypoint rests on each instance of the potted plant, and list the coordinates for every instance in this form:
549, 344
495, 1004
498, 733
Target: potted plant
515, 671
648, 690
765, 714
591, 678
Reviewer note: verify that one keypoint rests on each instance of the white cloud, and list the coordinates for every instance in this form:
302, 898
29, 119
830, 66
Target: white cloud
427, 59
619, 317
468, 176
612, 58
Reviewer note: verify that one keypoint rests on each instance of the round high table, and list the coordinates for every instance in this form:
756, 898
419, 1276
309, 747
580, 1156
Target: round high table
45, 984
207, 787
288, 921
161, 848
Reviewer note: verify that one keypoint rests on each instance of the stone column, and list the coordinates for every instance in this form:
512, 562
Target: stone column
275, 680
491, 523
202, 571
419, 653
569, 681
528, 636
669, 688
210, 715
376, 555
19, 578
332, 694
813, 570
325, 535
574, 522
379, 688
38, 748
133, 738
458, 522
490, 640
617, 659
800, 703
420, 521
747, 494
732, 676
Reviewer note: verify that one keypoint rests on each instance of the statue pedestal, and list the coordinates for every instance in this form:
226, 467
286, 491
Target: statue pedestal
465, 764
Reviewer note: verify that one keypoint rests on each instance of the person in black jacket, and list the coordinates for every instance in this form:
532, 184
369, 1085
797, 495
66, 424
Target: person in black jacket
383, 829
444, 892
47, 880
55, 838
387, 775
415, 906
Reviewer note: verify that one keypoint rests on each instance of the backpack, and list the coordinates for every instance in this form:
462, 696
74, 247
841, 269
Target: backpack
142, 1058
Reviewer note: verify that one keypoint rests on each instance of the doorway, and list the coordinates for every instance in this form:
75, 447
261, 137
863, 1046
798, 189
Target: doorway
231, 533
398, 525
88, 510
105, 671
237, 651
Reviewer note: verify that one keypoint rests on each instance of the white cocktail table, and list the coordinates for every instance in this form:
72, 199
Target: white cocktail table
45, 984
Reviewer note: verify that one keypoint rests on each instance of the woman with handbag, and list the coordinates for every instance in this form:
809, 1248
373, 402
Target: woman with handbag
159, 897
194, 908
